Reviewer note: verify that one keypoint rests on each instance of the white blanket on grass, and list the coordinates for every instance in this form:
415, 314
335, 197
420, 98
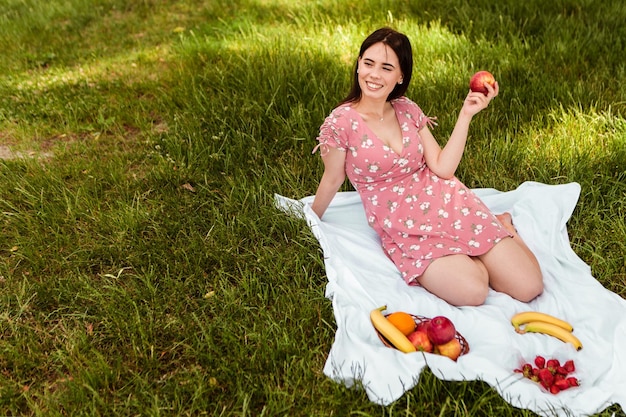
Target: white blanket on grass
361, 278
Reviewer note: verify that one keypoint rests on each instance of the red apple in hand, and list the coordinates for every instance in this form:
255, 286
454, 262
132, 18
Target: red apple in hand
451, 349
421, 341
441, 330
478, 80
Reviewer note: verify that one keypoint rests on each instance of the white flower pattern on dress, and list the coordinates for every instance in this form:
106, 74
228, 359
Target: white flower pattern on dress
398, 189
373, 167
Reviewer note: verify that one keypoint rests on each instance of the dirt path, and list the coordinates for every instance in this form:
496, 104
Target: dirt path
6, 154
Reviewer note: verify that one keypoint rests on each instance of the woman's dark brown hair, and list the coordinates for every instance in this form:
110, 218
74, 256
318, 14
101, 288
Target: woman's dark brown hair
401, 45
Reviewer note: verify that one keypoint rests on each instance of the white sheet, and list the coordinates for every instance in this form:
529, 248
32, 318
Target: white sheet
361, 277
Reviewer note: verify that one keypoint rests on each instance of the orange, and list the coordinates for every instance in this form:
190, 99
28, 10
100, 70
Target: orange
402, 321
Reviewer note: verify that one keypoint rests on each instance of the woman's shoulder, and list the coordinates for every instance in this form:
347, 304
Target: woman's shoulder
343, 113
405, 103
408, 107
344, 109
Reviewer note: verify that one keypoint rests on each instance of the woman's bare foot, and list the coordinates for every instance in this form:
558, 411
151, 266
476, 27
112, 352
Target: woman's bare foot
507, 221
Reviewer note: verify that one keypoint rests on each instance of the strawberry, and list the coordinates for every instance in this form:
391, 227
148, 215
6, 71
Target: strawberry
569, 366
573, 381
534, 374
553, 365
546, 378
554, 389
561, 370
527, 370
562, 384
540, 361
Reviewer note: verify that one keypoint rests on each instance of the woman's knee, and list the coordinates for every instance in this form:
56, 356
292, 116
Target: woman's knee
523, 286
531, 289
475, 295
513, 272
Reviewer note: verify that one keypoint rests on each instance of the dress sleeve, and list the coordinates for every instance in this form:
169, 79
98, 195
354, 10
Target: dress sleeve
332, 134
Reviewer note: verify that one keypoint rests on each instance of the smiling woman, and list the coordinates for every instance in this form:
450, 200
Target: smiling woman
437, 232
378, 75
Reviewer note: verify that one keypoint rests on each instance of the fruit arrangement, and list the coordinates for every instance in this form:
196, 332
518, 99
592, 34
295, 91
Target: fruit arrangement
550, 374
536, 322
478, 80
409, 333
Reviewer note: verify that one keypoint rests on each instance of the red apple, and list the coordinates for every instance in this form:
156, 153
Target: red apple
421, 341
478, 80
423, 325
441, 330
451, 349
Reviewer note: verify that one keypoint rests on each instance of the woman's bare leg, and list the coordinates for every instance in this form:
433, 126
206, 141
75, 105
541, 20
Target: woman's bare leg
509, 267
458, 279
507, 222
513, 268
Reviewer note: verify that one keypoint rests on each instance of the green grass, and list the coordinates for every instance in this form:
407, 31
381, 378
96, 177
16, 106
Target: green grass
143, 267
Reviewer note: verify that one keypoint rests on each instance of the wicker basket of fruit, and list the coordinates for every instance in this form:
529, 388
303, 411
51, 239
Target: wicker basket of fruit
436, 335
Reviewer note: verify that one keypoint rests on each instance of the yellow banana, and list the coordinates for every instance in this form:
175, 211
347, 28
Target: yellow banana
391, 332
527, 316
552, 330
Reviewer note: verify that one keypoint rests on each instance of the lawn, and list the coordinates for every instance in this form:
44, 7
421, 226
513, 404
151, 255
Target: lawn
144, 269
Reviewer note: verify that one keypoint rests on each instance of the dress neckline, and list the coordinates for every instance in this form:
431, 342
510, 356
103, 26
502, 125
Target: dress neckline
395, 113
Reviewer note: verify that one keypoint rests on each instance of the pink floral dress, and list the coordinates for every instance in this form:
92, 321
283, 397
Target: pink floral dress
419, 216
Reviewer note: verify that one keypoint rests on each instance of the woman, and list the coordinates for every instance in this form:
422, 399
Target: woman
436, 231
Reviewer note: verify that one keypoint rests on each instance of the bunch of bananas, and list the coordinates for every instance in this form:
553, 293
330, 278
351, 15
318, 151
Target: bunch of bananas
537, 322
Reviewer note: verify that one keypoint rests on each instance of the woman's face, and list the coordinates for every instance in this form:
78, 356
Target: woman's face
378, 71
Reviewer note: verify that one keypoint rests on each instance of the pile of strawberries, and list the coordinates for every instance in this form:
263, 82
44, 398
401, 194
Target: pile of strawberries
550, 374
